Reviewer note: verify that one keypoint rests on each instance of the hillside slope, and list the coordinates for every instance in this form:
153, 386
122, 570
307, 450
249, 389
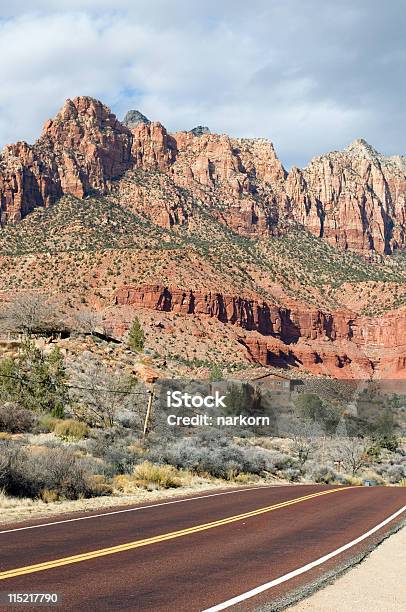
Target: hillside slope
213, 230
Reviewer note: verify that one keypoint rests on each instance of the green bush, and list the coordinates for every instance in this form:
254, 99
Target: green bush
47, 423
71, 430
34, 380
136, 338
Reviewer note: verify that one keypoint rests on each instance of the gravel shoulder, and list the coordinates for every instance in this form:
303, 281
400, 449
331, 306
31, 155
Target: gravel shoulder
375, 585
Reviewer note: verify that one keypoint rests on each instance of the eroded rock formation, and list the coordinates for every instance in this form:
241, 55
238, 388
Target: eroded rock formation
355, 199
338, 343
79, 151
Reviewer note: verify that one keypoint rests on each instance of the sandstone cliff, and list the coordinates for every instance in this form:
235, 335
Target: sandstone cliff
79, 151
339, 344
178, 207
355, 199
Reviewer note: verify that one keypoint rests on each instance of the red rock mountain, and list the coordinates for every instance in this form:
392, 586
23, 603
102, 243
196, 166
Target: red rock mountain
354, 199
80, 150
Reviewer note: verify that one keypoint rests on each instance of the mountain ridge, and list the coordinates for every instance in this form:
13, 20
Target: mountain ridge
286, 269
355, 199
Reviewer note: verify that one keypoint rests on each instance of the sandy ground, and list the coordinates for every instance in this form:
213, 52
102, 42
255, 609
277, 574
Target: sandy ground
375, 585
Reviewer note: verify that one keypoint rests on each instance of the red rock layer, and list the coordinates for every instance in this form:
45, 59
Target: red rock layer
288, 324
322, 343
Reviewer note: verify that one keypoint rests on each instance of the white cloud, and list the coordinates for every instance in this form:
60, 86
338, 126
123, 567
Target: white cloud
311, 76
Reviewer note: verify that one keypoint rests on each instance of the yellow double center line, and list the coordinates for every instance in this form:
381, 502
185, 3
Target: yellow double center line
40, 567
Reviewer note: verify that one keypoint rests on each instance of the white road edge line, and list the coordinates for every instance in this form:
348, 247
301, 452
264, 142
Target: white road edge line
301, 570
176, 501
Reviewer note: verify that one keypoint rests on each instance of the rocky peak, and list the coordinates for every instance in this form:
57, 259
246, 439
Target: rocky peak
134, 118
340, 196
82, 113
199, 130
361, 148
79, 151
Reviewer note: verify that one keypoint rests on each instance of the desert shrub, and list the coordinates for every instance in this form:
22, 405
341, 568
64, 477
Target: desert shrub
310, 406
60, 470
162, 476
47, 423
100, 394
216, 373
213, 454
322, 474
384, 431
100, 485
394, 471
70, 429
292, 474
351, 480
14, 419
278, 462
119, 455
32, 313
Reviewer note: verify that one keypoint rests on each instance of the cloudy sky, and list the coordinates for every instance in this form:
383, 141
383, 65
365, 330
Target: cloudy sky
311, 75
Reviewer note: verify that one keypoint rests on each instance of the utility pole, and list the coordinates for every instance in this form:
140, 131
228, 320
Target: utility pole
148, 413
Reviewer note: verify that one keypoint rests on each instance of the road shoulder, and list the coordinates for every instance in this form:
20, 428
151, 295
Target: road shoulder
373, 585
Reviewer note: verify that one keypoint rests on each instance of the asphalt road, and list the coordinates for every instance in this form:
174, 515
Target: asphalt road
194, 554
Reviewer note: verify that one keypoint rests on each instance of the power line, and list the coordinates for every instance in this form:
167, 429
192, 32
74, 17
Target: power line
69, 386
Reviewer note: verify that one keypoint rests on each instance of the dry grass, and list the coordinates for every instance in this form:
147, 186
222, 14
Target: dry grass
70, 429
7, 502
148, 474
19, 510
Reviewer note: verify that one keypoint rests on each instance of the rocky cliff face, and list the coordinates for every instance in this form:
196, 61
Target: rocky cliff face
79, 151
355, 199
339, 343
287, 324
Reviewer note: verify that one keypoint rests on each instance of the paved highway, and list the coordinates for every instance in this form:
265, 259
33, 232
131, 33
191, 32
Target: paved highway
235, 549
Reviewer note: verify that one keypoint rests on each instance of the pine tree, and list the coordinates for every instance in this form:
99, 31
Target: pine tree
136, 337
